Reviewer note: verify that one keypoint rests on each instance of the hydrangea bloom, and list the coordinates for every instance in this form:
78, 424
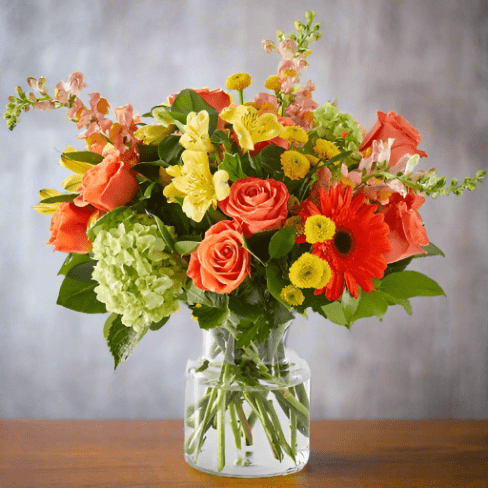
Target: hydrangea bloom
338, 127
137, 278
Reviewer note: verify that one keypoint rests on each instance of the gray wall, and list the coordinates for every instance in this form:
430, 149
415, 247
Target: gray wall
428, 60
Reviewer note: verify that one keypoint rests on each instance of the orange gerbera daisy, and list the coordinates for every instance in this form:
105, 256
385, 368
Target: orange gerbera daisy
356, 252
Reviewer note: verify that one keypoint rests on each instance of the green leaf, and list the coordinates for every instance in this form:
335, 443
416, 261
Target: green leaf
84, 157
339, 157
158, 325
147, 153
109, 322
252, 250
275, 282
432, 250
334, 312
170, 149
196, 296
242, 308
250, 166
73, 260
211, 317
370, 304
232, 164
282, 242
190, 101
403, 302
150, 170
252, 330
110, 219
271, 158
80, 296
66, 197
408, 284
220, 137
165, 233
122, 340
398, 266
349, 305
83, 271
186, 247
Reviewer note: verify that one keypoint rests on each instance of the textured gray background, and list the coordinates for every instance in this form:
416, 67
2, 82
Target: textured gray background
428, 60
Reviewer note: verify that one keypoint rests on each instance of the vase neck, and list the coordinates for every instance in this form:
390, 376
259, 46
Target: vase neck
219, 344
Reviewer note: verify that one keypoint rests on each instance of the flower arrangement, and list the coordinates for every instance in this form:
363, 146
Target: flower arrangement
248, 212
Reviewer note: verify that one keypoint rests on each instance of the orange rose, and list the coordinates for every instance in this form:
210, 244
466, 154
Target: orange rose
220, 263
407, 233
108, 185
217, 99
68, 228
257, 204
407, 138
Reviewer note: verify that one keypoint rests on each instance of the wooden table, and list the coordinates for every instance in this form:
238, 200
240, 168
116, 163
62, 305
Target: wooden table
148, 453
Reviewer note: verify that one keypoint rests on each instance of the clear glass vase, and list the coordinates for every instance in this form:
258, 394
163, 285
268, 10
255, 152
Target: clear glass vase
247, 411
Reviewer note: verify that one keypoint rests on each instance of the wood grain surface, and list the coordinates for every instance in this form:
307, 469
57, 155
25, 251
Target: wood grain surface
141, 453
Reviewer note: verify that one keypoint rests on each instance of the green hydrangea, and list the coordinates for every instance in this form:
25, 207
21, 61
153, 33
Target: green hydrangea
332, 124
137, 278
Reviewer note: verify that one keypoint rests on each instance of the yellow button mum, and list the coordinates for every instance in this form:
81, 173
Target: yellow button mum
273, 83
295, 165
310, 271
238, 81
292, 295
319, 228
294, 135
325, 149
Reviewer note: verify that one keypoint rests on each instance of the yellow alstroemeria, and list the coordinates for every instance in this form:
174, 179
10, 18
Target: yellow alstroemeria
195, 183
251, 127
196, 136
153, 134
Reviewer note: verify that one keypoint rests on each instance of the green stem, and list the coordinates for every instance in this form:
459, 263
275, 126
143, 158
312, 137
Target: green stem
267, 425
245, 424
197, 438
293, 402
241, 97
221, 429
277, 426
234, 425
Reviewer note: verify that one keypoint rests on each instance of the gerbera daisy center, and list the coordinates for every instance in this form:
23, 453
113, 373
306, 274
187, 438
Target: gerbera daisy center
343, 241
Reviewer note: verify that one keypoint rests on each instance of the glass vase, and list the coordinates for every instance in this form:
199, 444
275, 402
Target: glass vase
247, 411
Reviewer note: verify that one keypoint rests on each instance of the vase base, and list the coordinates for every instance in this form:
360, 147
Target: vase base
251, 471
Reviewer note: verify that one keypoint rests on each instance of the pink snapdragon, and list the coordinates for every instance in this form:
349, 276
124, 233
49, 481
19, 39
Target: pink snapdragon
64, 91
94, 120
303, 106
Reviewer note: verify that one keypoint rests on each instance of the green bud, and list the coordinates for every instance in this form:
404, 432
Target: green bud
309, 15
19, 92
316, 27
10, 107
293, 36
